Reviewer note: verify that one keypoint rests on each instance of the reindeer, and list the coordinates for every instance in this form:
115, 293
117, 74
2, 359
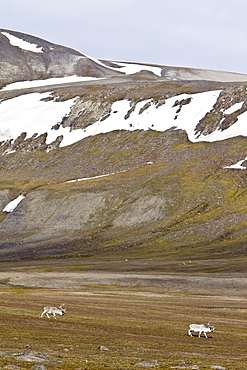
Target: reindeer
200, 329
54, 311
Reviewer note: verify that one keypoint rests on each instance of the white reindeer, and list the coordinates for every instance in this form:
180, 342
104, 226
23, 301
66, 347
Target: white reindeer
200, 329
54, 311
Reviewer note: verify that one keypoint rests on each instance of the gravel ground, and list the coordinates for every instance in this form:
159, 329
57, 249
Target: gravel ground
209, 284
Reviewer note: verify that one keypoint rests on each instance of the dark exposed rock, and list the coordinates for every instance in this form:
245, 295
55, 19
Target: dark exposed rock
180, 103
56, 126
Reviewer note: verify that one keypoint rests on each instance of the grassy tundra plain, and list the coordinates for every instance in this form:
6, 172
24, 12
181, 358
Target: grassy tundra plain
122, 320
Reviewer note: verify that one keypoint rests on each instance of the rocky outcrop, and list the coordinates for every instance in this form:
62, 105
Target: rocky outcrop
36, 142
219, 118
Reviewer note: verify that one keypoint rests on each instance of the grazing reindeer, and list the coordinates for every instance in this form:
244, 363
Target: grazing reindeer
54, 311
200, 329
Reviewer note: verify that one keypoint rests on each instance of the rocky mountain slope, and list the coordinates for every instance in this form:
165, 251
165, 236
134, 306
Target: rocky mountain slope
119, 160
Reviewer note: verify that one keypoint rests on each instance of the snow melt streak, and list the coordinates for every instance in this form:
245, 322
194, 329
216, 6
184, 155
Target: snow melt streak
13, 204
48, 81
24, 45
131, 68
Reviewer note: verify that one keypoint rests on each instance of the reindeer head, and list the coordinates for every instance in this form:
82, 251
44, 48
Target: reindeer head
210, 327
61, 307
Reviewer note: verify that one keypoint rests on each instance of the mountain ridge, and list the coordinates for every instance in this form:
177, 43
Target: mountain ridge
16, 46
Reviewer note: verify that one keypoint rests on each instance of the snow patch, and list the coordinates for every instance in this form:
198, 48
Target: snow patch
47, 82
29, 113
98, 62
237, 166
13, 204
90, 178
239, 128
234, 108
156, 118
24, 45
130, 68
95, 177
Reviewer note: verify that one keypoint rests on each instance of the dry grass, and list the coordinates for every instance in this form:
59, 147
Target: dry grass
135, 324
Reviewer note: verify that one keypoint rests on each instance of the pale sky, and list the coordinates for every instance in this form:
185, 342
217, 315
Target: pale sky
208, 34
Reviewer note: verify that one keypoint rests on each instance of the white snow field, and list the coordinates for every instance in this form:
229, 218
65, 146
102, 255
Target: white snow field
31, 114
